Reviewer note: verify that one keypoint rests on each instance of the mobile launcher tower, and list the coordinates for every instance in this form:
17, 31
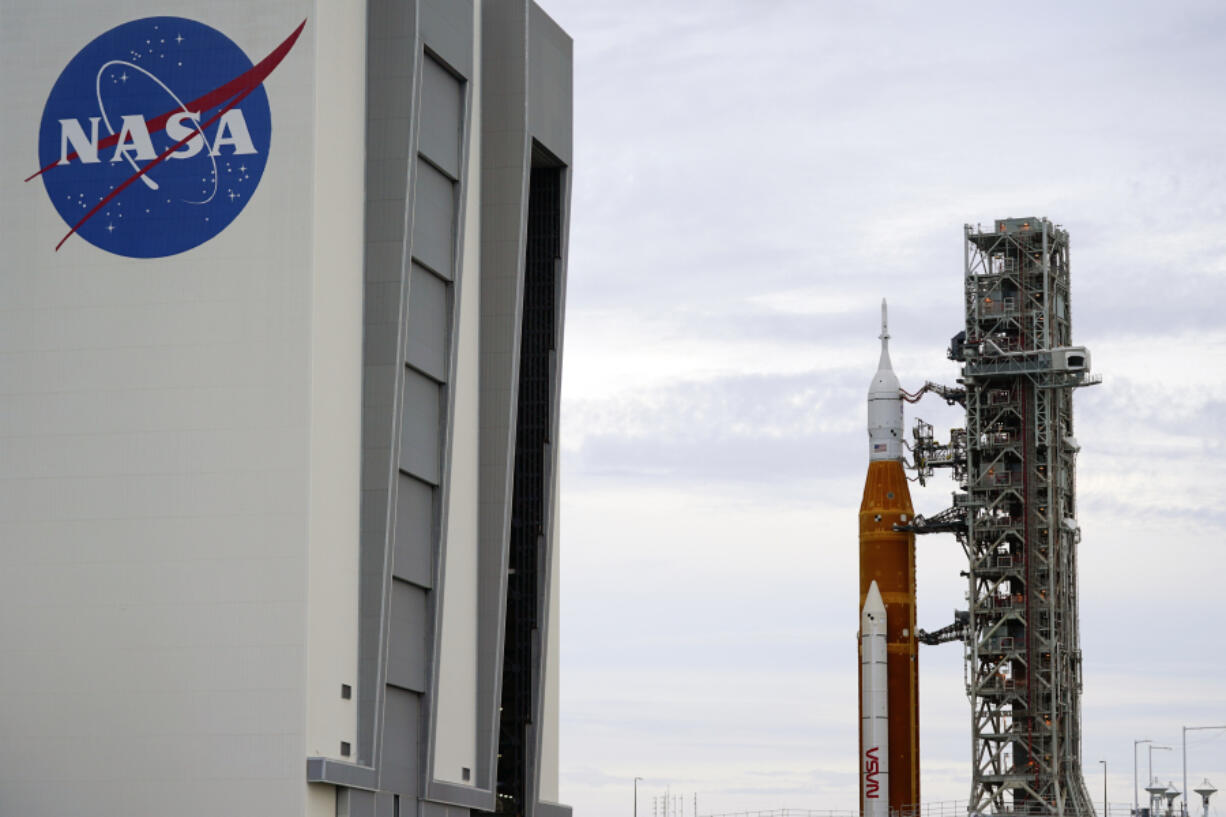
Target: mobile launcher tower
1015, 517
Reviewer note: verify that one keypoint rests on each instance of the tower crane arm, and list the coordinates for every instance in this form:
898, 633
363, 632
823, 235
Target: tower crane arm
953, 395
952, 632
950, 520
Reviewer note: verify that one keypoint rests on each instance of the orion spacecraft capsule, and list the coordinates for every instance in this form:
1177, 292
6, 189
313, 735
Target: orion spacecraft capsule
888, 766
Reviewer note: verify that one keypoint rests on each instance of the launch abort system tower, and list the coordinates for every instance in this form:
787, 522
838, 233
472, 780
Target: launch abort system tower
1022, 650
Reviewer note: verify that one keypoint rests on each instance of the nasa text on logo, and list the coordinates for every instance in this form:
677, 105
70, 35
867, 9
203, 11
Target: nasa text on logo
155, 136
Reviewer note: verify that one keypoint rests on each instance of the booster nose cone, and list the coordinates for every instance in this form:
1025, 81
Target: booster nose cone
884, 404
872, 615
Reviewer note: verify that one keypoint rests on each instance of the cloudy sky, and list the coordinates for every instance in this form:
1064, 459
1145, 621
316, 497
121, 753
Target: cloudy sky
751, 178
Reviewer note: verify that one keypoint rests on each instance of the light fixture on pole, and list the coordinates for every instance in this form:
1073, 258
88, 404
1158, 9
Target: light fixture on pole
1186, 730
1156, 790
1150, 771
1205, 790
636, 796
1136, 803
1104, 788
1170, 794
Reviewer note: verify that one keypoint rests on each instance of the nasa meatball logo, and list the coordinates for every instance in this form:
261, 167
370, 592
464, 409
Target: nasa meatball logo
155, 136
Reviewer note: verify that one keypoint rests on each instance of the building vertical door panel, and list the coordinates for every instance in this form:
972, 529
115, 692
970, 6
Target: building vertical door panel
434, 219
442, 107
406, 650
420, 431
401, 766
415, 531
429, 316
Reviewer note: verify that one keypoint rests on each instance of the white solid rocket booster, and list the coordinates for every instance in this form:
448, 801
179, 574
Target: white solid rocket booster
875, 720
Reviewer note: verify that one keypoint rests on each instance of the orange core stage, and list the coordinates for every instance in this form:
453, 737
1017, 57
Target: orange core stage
888, 558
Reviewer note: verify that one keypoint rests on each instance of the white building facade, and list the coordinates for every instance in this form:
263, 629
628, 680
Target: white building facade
281, 313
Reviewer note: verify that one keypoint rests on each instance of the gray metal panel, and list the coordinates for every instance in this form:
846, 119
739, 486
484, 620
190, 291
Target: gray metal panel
400, 763
378, 394
440, 810
379, 341
504, 179
404, 409
386, 805
386, 178
382, 307
544, 809
429, 317
355, 803
550, 84
548, 126
383, 261
411, 559
391, 54
388, 137
374, 510
442, 101
419, 433
391, 19
446, 29
348, 775
385, 219
480, 794
460, 796
406, 643
434, 219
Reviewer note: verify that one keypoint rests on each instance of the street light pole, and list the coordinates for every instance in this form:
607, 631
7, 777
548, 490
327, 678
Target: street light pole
1104, 787
1152, 747
636, 796
1186, 730
1136, 804
1150, 771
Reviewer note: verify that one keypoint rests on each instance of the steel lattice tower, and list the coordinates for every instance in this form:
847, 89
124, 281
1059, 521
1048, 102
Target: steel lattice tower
1022, 646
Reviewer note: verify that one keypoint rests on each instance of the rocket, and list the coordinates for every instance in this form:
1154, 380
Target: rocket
889, 659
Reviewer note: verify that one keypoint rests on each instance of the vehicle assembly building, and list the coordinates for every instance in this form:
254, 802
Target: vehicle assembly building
281, 316
1015, 515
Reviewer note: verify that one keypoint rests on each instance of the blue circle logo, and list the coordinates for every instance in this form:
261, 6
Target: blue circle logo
156, 135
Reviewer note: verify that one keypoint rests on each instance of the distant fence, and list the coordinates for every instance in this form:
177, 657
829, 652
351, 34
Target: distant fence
789, 812
942, 808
